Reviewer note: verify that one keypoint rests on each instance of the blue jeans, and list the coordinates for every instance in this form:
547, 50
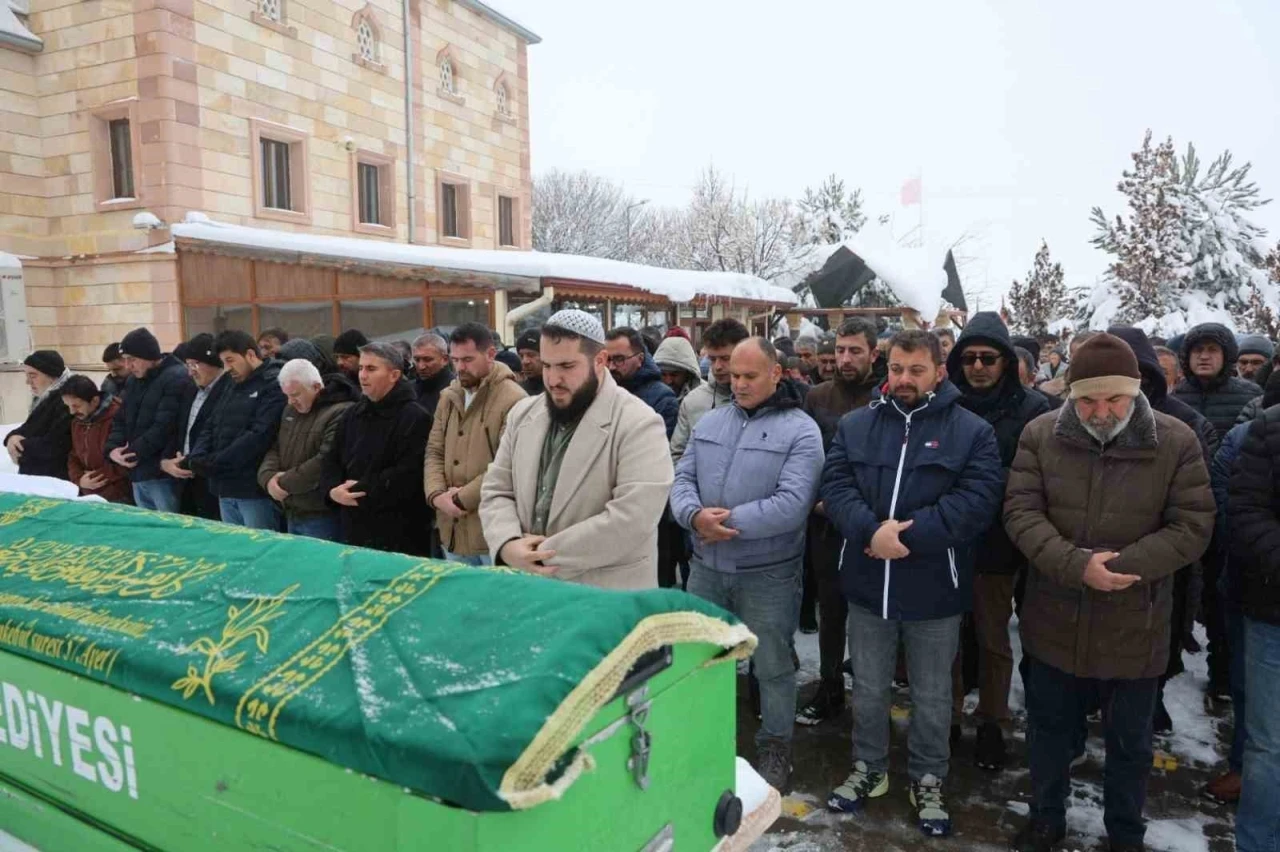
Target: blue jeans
767, 602
1235, 634
931, 651
162, 495
475, 561
255, 513
1057, 703
1258, 818
325, 527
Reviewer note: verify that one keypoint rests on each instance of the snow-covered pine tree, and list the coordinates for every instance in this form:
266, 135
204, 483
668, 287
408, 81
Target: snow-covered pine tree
828, 214
1042, 299
1148, 249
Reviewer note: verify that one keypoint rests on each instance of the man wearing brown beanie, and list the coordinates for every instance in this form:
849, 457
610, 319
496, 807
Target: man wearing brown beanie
1106, 499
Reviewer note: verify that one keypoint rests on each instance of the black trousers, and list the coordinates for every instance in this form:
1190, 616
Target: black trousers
1056, 706
823, 543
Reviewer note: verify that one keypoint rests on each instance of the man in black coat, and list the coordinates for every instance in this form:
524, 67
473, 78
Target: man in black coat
433, 371
1254, 496
243, 428
40, 446
1155, 387
375, 472
152, 398
1209, 353
210, 382
984, 367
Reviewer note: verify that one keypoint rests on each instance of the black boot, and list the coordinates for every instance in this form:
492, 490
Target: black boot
1162, 724
989, 751
1037, 837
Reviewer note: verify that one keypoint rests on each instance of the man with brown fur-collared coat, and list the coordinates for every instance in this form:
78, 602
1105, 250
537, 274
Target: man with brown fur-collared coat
1107, 499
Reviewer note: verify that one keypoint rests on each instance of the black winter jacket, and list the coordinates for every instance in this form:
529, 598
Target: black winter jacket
429, 390
1156, 389
1008, 408
1255, 519
150, 420
1221, 399
46, 438
647, 384
383, 445
242, 429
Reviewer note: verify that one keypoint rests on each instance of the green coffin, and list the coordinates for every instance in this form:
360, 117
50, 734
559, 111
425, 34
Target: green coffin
176, 684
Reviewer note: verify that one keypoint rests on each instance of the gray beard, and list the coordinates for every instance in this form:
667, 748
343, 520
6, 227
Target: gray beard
1107, 438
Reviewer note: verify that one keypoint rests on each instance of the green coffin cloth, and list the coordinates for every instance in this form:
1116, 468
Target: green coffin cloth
468, 684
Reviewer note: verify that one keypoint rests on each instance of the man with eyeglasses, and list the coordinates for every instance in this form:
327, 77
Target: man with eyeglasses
636, 372
983, 366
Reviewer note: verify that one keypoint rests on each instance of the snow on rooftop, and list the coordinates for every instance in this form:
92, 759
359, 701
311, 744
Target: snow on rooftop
13, 31
678, 285
9, 261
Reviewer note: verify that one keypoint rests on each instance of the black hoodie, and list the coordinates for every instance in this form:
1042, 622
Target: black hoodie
1155, 387
1222, 398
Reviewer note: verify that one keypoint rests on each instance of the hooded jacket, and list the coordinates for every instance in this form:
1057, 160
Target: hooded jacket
381, 445
1145, 495
765, 467
88, 439
302, 445
429, 390
646, 384
241, 431
1008, 407
46, 436
706, 397
1156, 389
1254, 497
462, 445
676, 353
936, 465
1221, 398
150, 421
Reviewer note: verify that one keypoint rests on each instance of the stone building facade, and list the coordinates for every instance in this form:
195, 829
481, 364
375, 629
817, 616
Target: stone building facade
118, 117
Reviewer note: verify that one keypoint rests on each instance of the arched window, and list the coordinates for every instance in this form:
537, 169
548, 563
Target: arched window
504, 100
368, 37
366, 42
448, 79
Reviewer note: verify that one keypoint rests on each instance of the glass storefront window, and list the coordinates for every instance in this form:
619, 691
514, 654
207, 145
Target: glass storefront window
448, 314
383, 320
596, 309
299, 319
630, 316
218, 318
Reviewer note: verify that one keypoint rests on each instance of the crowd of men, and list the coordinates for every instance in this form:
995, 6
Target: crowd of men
904, 496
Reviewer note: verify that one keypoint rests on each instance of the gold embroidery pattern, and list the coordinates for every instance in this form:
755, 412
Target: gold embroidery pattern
28, 509
249, 622
260, 706
103, 570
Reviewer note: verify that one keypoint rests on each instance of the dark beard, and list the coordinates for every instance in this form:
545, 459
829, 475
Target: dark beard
856, 382
578, 405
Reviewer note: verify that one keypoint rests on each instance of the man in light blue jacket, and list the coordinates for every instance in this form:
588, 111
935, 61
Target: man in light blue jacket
745, 486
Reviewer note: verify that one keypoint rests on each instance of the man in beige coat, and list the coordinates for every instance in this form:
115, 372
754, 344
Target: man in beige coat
464, 437
582, 473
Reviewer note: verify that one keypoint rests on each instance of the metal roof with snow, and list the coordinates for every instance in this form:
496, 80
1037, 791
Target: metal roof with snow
505, 269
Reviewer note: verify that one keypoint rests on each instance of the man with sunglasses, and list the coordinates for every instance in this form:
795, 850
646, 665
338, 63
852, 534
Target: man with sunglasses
636, 372
984, 368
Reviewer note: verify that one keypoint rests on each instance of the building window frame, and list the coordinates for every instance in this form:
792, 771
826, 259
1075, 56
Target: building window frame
386, 166
279, 22
501, 194
461, 193
105, 163
299, 176
368, 51
504, 99
449, 84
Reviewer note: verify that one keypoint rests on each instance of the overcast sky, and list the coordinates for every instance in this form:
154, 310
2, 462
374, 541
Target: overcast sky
1018, 114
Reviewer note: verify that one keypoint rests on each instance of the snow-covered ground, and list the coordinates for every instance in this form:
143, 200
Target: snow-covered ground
989, 808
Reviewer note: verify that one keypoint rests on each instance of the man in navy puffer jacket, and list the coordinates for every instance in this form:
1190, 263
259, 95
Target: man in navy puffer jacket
744, 487
637, 373
912, 482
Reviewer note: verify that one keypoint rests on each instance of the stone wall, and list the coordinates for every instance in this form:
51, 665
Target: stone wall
193, 76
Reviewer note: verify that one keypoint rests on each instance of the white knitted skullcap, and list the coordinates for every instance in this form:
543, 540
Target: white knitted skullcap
579, 322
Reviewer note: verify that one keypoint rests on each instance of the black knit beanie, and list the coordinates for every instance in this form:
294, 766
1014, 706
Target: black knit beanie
141, 343
349, 342
46, 361
200, 348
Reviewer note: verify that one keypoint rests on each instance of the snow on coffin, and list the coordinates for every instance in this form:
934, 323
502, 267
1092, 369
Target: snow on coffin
293, 694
